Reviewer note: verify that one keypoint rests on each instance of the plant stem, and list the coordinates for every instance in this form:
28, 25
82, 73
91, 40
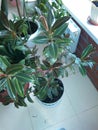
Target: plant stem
18, 9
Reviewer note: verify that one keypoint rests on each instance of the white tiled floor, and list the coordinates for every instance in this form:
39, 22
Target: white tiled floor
78, 110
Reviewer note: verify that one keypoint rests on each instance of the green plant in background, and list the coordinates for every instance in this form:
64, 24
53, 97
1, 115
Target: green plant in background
55, 5
59, 9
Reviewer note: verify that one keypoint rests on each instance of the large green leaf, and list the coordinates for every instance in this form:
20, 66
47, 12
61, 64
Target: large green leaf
14, 68
50, 19
4, 63
42, 93
59, 31
49, 93
60, 22
64, 41
87, 51
21, 48
2, 83
40, 40
55, 91
18, 86
53, 50
22, 77
10, 89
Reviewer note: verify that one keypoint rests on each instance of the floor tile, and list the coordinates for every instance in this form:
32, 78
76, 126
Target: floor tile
43, 117
12, 118
81, 92
89, 119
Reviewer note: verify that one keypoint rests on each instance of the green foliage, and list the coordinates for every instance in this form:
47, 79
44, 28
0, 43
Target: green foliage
56, 6
57, 57
20, 65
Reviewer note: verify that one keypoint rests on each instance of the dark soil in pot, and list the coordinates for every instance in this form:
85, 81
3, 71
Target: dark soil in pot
56, 98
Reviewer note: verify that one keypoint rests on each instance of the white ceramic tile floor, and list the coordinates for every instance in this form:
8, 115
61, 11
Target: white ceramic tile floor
78, 110
12, 118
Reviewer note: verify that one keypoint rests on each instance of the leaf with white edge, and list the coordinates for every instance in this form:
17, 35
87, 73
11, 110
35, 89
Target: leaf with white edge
59, 31
60, 22
10, 89
53, 51
2, 83
22, 77
40, 40
42, 93
87, 51
14, 68
18, 86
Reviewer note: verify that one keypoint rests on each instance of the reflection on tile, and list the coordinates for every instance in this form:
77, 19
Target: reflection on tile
81, 92
12, 118
89, 119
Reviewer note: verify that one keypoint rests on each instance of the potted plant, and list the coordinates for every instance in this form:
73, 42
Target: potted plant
93, 19
15, 59
56, 58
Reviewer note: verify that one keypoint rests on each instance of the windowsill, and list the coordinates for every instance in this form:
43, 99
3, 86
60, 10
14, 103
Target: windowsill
80, 10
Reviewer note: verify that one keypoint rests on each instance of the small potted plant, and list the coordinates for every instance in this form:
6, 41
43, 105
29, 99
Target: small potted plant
93, 19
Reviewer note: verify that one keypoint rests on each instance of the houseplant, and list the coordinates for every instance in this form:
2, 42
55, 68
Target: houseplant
42, 71
57, 58
15, 59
